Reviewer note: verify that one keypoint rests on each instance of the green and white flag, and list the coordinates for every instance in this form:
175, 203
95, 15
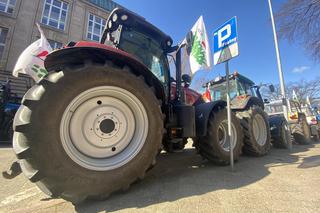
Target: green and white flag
198, 48
31, 60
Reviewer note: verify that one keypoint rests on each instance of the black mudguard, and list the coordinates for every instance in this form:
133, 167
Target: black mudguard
240, 102
275, 122
203, 112
59, 59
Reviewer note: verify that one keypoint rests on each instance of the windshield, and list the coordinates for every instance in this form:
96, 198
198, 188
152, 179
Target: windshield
274, 108
219, 91
146, 49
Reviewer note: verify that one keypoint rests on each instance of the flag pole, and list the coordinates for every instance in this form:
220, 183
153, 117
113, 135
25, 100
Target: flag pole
282, 84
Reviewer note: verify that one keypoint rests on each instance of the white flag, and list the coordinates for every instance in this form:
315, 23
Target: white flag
198, 48
294, 95
31, 60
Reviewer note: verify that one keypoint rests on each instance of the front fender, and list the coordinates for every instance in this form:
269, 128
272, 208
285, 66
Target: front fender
203, 112
242, 102
99, 53
275, 124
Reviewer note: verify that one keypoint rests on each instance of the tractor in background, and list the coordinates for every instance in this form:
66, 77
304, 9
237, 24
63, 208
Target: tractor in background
248, 105
96, 123
9, 104
297, 120
312, 121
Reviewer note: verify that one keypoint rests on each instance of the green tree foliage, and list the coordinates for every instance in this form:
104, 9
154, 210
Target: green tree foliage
197, 50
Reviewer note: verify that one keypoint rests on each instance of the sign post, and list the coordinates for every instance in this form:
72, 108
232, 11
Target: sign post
225, 48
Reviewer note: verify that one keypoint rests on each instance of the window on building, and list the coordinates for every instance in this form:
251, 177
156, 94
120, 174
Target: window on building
105, 4
3, 37
55, 14
95, 27
55, 44
7, 6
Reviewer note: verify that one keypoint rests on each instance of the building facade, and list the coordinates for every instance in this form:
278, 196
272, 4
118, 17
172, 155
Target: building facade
61, 20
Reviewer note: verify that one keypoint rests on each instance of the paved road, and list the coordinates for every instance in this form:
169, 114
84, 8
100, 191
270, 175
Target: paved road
183, 182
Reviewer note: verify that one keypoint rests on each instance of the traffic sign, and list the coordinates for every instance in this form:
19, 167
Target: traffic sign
225, 47
225, 42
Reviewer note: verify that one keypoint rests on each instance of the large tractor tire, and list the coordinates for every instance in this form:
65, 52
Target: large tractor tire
88, 132
215, 145
301, 132
257, 136
283, 138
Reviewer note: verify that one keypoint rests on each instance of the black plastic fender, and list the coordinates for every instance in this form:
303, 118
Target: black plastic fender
239, 102
59, 59
203, 112
275, 122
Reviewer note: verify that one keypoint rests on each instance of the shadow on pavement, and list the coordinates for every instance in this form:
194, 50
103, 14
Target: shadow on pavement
312, 161
185, 174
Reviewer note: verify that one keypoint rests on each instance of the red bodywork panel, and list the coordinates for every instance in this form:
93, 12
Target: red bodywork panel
102, 46
191, 96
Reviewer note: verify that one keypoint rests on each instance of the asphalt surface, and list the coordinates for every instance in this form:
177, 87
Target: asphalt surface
282, 181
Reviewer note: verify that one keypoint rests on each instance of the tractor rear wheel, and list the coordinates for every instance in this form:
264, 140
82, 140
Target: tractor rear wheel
215, 145
301, 132
257, 136
88, 132
283, 139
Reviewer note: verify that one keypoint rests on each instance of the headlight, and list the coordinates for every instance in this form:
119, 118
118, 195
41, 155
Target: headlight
124, 17
114, 17
109, 24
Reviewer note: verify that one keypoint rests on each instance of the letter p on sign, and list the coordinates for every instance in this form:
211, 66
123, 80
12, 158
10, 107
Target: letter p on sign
224, 34
225, 42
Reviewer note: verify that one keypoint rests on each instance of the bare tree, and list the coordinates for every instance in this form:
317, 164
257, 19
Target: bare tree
299, 21
302, 88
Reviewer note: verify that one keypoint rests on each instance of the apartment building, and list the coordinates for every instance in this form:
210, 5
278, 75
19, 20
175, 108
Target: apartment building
61, 20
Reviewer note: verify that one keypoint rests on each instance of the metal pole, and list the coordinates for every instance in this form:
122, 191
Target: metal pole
178, 76
229, 116
282, 85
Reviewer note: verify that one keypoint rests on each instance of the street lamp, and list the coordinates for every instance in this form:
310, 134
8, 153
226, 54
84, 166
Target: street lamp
282, 85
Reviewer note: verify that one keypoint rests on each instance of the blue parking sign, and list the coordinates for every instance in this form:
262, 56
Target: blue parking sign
225, 42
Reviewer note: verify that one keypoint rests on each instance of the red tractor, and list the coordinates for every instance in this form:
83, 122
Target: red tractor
96, 123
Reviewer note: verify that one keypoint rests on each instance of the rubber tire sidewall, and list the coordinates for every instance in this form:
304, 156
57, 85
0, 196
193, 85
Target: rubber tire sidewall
279, 140
251, 146
59, 172
209, 146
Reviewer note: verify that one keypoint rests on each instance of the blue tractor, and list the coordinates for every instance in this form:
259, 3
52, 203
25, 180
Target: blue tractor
9, 105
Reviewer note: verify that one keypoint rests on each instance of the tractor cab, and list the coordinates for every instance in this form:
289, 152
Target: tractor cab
131, 33
239, 86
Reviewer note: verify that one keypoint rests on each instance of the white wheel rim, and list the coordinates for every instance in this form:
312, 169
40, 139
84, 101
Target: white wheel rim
103, 128
223, 133
259, 129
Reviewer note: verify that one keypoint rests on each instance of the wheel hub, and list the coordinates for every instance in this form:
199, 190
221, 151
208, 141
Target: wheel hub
104, 127
107, 126
223, 136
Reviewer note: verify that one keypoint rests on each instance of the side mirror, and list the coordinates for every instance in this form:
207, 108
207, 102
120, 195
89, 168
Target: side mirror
186, 78
266, 101
271, 87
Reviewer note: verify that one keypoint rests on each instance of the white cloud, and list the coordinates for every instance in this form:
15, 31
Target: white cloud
300, 69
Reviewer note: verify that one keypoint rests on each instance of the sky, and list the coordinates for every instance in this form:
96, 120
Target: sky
257, 58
